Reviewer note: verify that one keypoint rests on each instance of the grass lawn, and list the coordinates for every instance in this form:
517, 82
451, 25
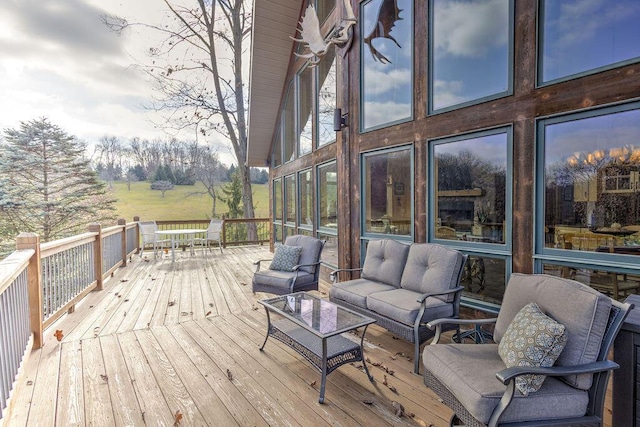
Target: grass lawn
184, 202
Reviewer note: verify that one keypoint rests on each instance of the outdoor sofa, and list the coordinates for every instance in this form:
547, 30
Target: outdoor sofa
403, 287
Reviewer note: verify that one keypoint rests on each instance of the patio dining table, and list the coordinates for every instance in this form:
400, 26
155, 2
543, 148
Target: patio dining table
176, 237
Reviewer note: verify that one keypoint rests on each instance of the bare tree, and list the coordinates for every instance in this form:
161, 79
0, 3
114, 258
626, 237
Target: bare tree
109, 152
198, 69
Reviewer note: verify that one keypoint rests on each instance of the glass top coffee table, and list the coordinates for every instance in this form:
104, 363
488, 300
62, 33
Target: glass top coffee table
313, 327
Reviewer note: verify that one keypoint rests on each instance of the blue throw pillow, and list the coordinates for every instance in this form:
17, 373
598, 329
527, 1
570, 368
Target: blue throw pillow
285, 258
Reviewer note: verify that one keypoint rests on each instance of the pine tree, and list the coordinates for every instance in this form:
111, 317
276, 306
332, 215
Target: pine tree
50, 188
233, 196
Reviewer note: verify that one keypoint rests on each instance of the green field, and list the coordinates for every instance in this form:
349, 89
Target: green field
184, 202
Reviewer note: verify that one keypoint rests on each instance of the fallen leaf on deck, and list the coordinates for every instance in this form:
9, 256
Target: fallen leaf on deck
313, 383
104, 378
393, 389
29, 382
368, 402
58, 334
210, 304
171, 303
229, 375
177, 418
399, 408
208, 313
126, 300
124, 280
384, 381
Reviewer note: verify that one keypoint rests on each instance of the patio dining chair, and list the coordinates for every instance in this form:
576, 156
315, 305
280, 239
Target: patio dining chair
294, 267
213, 234
150, 238
548, 365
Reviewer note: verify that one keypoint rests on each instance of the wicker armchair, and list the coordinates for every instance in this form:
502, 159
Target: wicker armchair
473, 380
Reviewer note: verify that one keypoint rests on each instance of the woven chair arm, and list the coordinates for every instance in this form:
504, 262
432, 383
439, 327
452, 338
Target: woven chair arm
508, 374
423, 297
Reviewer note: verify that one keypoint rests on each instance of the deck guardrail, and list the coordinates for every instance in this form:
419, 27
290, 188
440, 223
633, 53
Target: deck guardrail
41, 282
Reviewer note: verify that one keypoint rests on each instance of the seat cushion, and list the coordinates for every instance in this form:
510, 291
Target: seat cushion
356, 291
532, 339
385, 261
285, 258
311, 250
582, 310
281, 279
469, 372
402, 306
432, 268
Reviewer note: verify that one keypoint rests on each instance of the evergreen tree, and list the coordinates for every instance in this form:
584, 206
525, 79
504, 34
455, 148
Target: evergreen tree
50, 189
232, 196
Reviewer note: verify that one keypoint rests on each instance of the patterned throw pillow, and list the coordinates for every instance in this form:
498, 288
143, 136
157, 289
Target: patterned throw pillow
285, 258
532, 339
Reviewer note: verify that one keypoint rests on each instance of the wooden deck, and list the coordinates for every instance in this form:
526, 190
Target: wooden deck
167, 342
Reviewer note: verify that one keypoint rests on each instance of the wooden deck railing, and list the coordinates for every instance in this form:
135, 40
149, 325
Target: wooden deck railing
41, 282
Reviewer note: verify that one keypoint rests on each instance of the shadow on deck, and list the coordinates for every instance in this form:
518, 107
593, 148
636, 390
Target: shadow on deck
177, 342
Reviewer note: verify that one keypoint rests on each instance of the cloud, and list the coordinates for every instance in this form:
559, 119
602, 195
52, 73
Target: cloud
378, 82
470, 29
447, 93
377, 113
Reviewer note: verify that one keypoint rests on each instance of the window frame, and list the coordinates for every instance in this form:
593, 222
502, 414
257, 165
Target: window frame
313, 113
319, 227
317, 88
571, 258
302, 224
288, 225
291, 91
430, 58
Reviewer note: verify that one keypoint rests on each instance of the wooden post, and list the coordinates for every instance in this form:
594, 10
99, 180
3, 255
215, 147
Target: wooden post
32, 241
224, 234
136, 219
123, 223
94, 227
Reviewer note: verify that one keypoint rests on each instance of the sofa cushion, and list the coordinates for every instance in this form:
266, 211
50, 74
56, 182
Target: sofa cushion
385, 261
432, 268
582, 310
532, 339
356, 291
281, 279
311, 249
469, 372
285, 258
402, 306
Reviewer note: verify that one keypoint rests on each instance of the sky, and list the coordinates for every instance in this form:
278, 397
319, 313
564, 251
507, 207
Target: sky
57, 60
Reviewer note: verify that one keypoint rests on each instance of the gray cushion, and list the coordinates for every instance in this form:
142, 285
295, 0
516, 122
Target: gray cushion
532, 339
582, 310
432, 268
468, 371
356, 291
401, 306
285, 258
311, 249
281, 279
385, 261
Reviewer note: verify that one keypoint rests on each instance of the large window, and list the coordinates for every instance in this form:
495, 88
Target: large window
276, 154
388, 192
290, 200
277, 210
305, 111
579, 36
305, 190
386, 58
470, 180
328, 196
324, 8
470, 49
588, 198
327, 96
289, 125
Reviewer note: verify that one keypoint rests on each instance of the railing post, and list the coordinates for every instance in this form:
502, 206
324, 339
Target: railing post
136, 219
32, 241
224, 233
123, 223
94, 227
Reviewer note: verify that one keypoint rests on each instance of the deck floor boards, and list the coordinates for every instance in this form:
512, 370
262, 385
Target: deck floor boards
181, 339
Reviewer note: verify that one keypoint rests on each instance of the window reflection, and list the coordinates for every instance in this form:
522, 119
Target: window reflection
276, 158
330, 250
592, 176
483, 278
470, 202
305, 188
290, 199
324, 8
288, 125
581, 35
616, 285
328, 196
388, 192
277, 199
386, 52
326, 98
470, 47
305, 111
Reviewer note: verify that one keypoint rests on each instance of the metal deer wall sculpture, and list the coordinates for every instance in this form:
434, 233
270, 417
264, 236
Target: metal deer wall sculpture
311, 36
388, 14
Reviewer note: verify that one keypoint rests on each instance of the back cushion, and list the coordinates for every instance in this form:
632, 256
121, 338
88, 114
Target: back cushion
311, 249
385, 261
582, 310
432, 268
